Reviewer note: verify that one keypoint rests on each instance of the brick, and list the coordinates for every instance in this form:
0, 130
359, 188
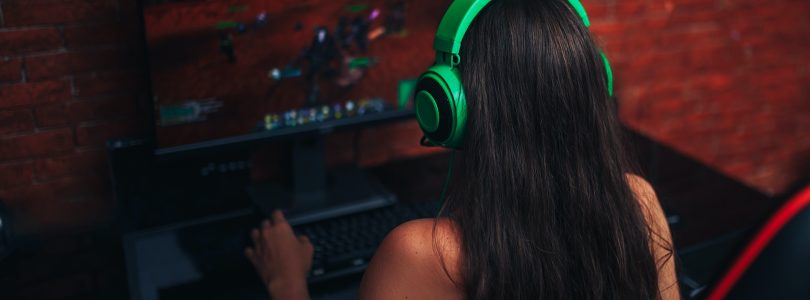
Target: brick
772, 57
102, 109
10, 69
691, 36
109, 83
606, 27
629, 8
33, 93
690, 6
19, 13
16, 121
652, 67
783, 94
685, 15
15, 174
662, 89
776, 76
72, 63
597, 10
98, 34
73, 112
97, 134
78, 164
60, 205
712, 58
36, 144
52, 115
660, 7
630, 46
712, 82
23, 41
775, 10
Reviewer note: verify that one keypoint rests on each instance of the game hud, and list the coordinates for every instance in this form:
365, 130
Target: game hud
223, 68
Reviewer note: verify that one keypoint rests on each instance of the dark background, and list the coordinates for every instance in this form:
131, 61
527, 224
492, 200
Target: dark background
724, 82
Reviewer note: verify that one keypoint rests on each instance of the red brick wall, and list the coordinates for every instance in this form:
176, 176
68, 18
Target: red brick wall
724, 81
70, 78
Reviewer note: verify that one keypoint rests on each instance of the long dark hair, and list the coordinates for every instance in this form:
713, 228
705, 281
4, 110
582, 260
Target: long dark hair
540, 194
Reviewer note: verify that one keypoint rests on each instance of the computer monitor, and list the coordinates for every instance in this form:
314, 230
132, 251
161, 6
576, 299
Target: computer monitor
234, 71
226, 73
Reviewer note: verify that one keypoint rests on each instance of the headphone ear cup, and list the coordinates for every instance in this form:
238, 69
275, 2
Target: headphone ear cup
440, 104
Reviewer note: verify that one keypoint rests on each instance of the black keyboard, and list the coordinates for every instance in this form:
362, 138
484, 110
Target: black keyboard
207, 257
345, 245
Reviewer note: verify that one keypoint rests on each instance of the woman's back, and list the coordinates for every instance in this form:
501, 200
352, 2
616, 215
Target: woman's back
421, 259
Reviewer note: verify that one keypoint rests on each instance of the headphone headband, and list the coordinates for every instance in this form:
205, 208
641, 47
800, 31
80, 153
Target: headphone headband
460, 15
580, 11
455, 23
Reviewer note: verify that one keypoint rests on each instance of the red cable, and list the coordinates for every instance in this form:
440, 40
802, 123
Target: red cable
774, 225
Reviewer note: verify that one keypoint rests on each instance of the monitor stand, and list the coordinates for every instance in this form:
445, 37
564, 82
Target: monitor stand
316, 193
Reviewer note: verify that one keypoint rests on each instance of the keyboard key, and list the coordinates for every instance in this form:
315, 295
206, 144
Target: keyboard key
346, 244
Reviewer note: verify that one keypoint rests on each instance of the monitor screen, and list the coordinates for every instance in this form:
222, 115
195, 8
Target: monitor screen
223, 68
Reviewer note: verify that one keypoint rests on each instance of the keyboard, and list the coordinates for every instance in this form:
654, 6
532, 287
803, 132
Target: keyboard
345, 245
205, 258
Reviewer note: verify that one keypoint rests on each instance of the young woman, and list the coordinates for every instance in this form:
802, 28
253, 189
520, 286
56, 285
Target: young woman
542, 205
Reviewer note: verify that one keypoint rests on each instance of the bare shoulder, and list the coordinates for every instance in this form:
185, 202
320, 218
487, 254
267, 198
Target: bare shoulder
645, 195
411, 260
413, 241
648, 201
641, 188
660, 238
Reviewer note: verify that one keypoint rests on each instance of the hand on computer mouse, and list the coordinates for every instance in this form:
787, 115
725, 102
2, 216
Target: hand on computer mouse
282, 259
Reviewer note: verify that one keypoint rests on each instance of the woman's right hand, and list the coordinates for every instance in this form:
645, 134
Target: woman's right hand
281, 259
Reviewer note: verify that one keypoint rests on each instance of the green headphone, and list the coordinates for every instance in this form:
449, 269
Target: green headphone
441, 107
